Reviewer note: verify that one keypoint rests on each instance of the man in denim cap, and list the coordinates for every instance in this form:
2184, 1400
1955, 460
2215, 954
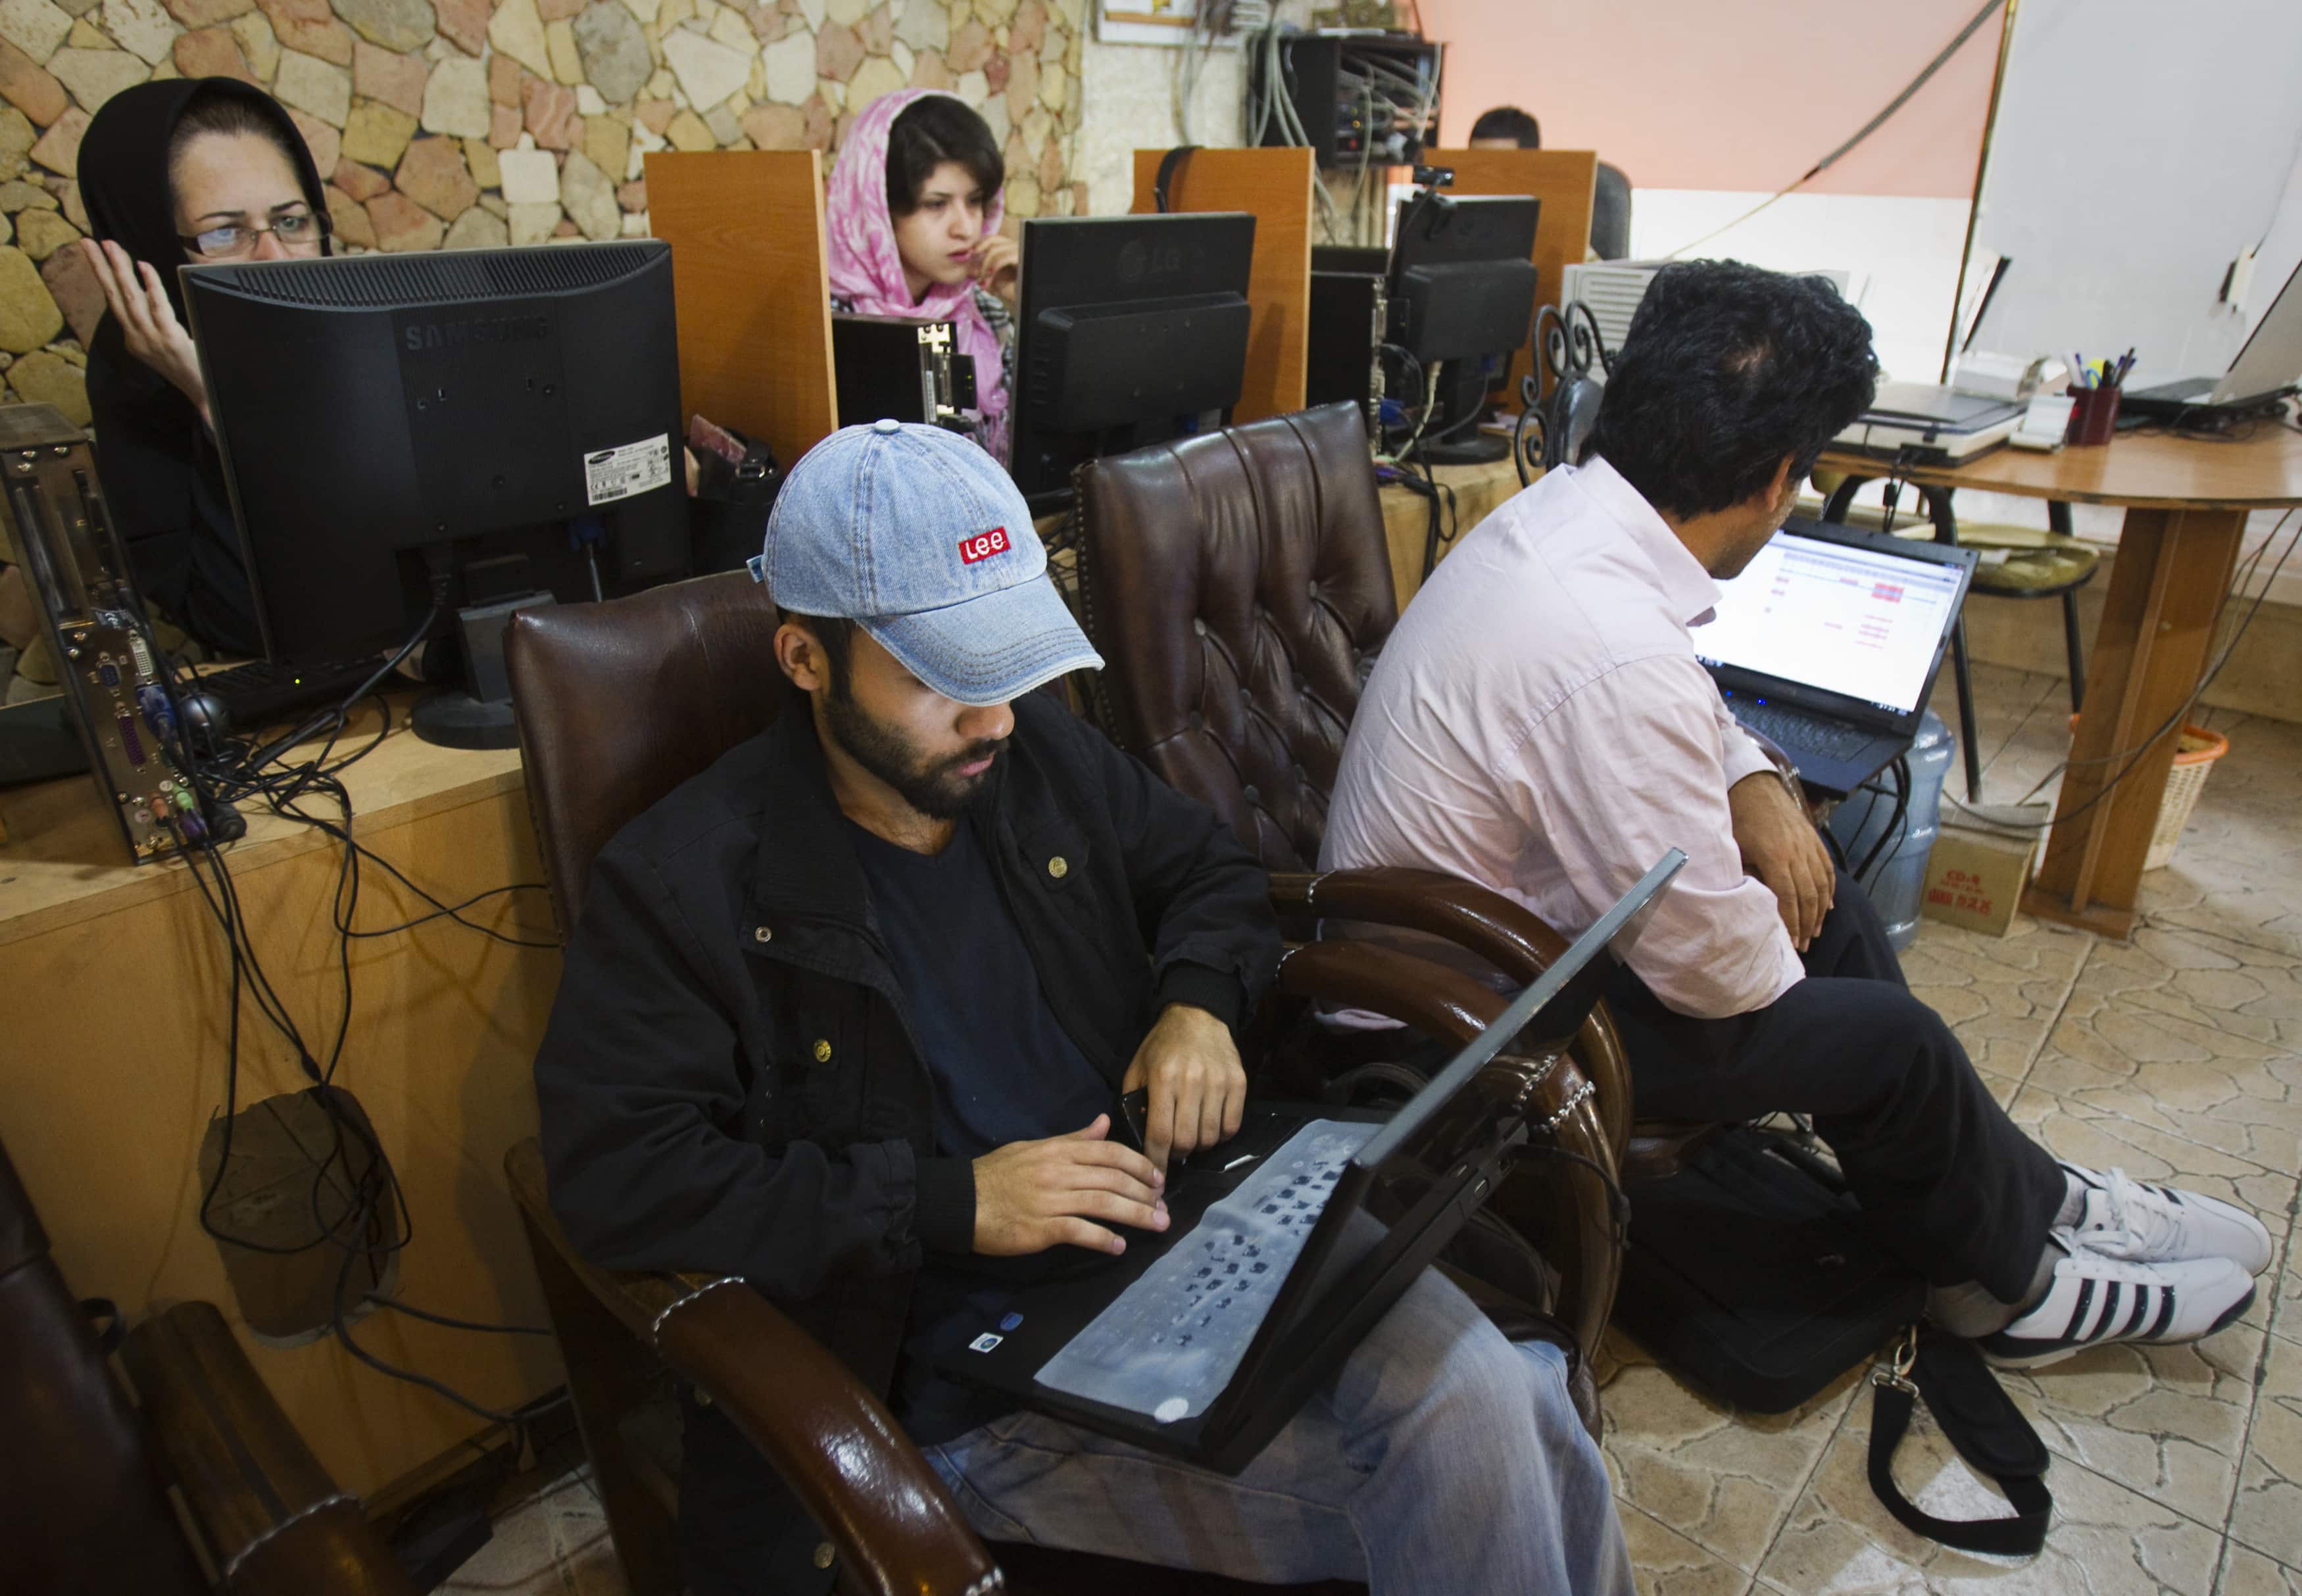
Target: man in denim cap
848, 1015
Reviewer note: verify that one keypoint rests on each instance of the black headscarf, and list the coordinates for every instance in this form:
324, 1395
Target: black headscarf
161, 476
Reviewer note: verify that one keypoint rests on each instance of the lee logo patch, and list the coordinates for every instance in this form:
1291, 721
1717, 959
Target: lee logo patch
984, 545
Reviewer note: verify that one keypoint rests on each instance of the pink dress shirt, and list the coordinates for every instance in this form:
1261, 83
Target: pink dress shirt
1539, 723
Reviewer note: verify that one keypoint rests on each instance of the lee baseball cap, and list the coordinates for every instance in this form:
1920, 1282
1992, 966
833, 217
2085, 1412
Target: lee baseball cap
923, 540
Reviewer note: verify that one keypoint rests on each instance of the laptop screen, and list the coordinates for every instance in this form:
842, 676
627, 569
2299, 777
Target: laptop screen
1854, 621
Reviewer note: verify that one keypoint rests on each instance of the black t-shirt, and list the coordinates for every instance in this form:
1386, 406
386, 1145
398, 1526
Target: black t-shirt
1004, 1071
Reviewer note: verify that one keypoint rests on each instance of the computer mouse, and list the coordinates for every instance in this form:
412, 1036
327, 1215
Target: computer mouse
205, 722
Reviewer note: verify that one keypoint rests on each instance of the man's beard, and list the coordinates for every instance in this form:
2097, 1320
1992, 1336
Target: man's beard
937, 790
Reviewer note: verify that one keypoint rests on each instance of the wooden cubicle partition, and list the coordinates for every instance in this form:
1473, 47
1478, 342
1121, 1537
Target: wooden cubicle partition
1275, 185
1564, 180
748, 259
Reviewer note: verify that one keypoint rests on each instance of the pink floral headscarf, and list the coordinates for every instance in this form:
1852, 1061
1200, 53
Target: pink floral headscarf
868, 271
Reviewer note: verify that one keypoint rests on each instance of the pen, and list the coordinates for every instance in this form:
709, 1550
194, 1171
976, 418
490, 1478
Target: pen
2078, 370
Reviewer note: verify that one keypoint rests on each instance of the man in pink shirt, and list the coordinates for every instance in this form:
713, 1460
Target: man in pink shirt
1539, 723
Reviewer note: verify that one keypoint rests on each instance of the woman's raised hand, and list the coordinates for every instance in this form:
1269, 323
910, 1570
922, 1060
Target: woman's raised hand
998, 265
139, 302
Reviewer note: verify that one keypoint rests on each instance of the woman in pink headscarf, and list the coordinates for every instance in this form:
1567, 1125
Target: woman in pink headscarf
915, 223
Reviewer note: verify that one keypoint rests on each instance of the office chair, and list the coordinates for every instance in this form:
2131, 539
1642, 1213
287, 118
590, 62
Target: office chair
1238, 586
617, 703
84, 1475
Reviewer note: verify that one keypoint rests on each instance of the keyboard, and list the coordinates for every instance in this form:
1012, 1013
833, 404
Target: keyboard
1169, 1344
260, 691
1801, 732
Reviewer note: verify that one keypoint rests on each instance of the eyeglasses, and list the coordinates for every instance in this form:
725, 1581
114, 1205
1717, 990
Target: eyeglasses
297, 230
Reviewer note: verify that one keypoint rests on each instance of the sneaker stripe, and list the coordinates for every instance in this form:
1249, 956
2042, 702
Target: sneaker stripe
2141, 1306
2109, 1312
2072, 1330
2165, 1313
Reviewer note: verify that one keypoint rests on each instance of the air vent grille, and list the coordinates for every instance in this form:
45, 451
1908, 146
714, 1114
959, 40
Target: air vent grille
440, 277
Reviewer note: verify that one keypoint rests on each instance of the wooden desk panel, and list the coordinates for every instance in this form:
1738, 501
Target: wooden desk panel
112, 1063
2186, 503
748, 268
1276, 186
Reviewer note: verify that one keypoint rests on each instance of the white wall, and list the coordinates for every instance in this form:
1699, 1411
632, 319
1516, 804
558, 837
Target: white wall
1133, 93
2121, 223
1902, 250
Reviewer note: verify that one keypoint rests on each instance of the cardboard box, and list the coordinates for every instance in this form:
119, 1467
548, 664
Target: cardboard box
1976, 874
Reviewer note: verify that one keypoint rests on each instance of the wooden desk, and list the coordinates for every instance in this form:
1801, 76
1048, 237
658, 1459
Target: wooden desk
112, 1064
1479, 492
2186, 508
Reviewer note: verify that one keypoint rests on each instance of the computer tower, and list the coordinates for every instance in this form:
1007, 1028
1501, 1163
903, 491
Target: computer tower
1349, 312
893, 368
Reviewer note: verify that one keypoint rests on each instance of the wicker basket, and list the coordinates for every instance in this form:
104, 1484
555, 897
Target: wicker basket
2194, 760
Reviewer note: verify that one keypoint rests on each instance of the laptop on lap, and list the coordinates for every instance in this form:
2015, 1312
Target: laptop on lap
1827, 644
1286, 1243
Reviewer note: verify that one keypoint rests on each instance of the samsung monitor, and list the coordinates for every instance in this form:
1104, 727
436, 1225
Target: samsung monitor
1132, 331
424, 442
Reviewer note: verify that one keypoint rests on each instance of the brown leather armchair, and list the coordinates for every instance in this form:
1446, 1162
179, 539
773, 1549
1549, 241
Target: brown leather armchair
1238, 586
84, 1474
618, 704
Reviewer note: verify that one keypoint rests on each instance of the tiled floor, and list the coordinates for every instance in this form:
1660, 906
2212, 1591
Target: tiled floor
2178, 1056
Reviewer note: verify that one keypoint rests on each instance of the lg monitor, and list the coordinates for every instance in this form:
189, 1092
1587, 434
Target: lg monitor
1132, 331
418, 444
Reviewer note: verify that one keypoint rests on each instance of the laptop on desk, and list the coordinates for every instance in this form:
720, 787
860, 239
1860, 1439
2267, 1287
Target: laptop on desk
2267, 368
1827, 644
1285, 1243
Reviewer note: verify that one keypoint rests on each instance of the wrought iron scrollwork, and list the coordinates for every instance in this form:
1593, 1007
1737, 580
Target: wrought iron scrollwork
1569, 338
1528, 438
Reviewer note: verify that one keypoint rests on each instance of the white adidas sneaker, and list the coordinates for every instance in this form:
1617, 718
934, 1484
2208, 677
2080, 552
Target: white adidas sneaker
2096, 1299
2159, 1224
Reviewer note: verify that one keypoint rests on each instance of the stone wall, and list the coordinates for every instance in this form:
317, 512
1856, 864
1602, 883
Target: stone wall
461, 123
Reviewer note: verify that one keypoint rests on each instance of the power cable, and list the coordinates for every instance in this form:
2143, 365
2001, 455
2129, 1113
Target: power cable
1868, 128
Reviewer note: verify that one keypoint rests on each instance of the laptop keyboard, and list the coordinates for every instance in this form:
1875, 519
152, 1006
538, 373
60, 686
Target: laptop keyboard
1169, 1344
1801, 733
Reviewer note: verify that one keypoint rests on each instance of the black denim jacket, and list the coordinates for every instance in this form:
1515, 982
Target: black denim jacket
729, 1083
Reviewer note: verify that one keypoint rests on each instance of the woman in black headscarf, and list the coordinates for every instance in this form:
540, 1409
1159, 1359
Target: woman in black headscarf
190, 170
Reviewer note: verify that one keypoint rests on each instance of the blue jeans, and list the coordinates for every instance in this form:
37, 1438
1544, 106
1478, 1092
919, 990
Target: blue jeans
1440, 1459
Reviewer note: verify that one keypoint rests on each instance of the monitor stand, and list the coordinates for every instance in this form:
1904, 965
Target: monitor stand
476, 711
1463, 397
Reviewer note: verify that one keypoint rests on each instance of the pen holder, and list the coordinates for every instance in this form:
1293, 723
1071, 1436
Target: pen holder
2093, 414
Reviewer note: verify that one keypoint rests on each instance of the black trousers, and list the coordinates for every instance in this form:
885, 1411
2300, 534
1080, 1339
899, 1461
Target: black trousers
1945, 1179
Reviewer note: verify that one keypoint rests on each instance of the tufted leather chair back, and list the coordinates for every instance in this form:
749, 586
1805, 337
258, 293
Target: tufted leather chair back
1236, 584
618, 703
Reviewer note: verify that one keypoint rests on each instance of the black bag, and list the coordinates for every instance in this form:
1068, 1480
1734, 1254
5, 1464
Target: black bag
1749, 1273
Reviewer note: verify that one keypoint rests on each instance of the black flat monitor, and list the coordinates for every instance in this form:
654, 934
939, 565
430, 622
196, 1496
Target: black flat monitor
1132, 331
449, 435
1462, 293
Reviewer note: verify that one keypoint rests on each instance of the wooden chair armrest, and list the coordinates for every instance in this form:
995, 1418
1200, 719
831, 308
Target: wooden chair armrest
1505, 935
275, 1522
894, 1529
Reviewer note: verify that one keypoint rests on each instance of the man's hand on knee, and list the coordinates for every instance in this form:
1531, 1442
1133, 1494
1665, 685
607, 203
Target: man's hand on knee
1781, 847
1030, 1196
1197, 1087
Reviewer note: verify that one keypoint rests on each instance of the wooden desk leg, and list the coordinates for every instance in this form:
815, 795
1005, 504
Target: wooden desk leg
2166, 591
